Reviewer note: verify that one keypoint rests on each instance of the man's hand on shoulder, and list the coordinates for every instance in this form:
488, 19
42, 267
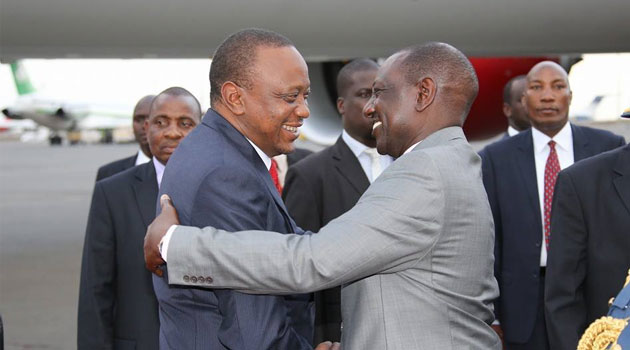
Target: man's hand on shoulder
155, 232
328, 346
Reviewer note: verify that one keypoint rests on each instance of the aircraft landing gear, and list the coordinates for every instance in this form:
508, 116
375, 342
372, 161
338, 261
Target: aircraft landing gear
55, 140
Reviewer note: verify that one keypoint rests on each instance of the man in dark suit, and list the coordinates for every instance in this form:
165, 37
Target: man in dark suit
117, 306
140, 114
323, 186
220, 175
282, 163
513, 108
519, 174
590, 227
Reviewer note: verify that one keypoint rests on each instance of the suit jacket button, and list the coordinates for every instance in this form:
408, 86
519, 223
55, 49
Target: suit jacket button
186, 278
201, 279
208, 279
193, 279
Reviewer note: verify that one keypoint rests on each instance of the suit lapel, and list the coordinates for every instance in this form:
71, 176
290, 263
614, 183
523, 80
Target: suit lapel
622, 181
349, 167
581, 148
146, 191
527, 166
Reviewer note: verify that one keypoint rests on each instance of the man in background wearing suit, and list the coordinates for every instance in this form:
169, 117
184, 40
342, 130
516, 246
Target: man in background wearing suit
220, 175
590, 241
140, 114
513, 108
519, 174
117, 306
414, 255
329, 183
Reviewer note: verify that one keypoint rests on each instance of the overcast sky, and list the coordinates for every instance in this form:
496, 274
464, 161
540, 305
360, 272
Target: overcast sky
123, 82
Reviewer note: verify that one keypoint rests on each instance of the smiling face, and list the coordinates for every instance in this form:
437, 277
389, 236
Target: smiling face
392, 109
170, 120
547, 97
276, 104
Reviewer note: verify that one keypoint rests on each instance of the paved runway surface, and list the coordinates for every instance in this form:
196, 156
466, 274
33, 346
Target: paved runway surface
45, 195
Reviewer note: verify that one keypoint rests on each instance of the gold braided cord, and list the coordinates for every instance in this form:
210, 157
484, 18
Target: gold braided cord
602, 333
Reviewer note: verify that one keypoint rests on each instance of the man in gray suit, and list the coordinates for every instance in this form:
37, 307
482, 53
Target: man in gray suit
414, 256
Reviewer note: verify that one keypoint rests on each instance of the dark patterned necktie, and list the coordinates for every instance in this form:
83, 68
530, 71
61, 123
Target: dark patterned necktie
552, 168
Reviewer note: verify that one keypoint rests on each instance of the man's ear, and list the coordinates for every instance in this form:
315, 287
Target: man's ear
426, 91
232, 97
340, 107
507, 110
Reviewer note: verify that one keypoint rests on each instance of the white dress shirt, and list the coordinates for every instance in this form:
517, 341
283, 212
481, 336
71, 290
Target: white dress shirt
564, 149
511, 131
358, 149
159, 170
142, 158
167, 237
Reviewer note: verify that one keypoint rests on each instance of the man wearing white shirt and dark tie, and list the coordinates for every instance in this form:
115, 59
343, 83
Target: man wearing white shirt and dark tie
117, 305
519, 174
327, 184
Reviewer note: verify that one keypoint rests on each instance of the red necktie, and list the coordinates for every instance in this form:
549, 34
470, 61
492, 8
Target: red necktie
552, 168
273, 171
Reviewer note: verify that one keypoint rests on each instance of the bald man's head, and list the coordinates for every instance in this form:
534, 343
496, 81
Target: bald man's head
449, 68
547, 97
418, 91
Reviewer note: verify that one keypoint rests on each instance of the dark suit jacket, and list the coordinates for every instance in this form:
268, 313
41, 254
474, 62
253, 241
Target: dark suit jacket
115, 167
317, 190
509, 175
589, 245
117, 306
216, 178
297, 155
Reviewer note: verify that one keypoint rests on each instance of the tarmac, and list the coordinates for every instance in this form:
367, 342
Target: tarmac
45, 195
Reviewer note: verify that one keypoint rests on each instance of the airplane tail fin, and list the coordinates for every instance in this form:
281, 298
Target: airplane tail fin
22, 82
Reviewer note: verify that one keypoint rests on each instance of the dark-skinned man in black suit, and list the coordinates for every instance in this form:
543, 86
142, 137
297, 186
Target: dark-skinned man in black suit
117, 305
325, 185
519, 174
589, 250
140, 114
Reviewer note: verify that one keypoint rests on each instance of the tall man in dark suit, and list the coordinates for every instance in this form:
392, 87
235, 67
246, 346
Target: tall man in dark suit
220, 176
588, 260
513, 108
329, 183
140, 114
519, 174
117, 306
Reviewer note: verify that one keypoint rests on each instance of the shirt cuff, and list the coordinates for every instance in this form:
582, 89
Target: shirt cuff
163, 245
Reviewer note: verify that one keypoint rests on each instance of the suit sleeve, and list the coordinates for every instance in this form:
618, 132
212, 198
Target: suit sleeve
301, 201
391, 228
565, 304
487, 168
97, 284
236, 205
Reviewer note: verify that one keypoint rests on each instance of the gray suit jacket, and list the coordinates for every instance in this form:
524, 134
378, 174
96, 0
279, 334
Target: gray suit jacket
414, 256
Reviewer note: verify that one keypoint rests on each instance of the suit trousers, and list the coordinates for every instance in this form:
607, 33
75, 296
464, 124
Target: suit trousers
539, 339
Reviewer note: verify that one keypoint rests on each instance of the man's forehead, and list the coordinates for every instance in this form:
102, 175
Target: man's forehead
552, 72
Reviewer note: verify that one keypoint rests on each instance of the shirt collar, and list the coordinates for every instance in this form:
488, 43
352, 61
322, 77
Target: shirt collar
263, 156
563, 139
412, 147
141, 158
159, 170
511, 131
355, 146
